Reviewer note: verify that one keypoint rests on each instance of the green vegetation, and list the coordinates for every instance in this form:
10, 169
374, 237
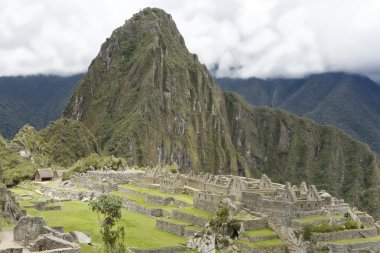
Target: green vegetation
313, 219
266, 243
350, 224
347, 101
140, 230
357, 240
95, 161
141, 201
327, 228
175, 221
108, 209
260, 232
61, 143
16, 168
34, 100
196, 212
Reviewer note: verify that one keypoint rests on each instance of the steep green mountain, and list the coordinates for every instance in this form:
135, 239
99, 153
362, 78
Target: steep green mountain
147, 99
34, 100
347, 101
61, 143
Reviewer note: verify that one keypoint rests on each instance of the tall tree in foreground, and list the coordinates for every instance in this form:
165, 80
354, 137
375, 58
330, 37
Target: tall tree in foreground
108, 209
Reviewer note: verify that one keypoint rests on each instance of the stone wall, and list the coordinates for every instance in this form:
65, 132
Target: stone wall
50, 242
161, 250
273, 249
344, 248
67, 194
195, 220
345, 234
254, 224
11, 250
9, 207
31, 226
285, 211
158, 200
154, 212
209, 202
177, 229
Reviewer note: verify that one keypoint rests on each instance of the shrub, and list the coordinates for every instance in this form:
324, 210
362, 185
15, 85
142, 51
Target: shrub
327, 228
306, 232
350, 224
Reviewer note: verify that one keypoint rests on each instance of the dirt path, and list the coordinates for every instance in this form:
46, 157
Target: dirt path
6, 241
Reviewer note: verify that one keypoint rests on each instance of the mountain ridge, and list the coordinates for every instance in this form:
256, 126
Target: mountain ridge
349, 101
35, 100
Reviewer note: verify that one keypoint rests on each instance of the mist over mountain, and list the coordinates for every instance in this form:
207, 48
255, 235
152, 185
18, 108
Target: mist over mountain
34, 100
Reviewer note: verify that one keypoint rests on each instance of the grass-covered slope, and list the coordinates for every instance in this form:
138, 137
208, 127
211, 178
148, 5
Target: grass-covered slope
347, 101
147, 99
61, 143
34, 100
16, 168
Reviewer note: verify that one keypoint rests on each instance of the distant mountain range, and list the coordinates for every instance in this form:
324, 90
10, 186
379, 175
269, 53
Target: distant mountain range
348, 101
34, 100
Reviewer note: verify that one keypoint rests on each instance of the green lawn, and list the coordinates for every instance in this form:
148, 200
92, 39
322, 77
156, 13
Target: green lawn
260, 232
181, 197
357, 240
140, 229
196, 212
195, 228
318, 218
267, 243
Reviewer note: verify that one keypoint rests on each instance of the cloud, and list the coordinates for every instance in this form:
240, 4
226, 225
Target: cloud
263, 38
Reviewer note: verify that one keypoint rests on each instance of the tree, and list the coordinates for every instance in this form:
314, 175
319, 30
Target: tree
108, 209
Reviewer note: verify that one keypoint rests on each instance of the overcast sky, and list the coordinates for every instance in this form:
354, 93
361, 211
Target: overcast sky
262, 38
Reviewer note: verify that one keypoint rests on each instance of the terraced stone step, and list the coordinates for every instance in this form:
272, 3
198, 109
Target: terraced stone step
192, 230
177, 227
314, 220
138, 204
160, 250
173, 226
266, 246
344, 234
192, 215
259, 235
252, 222
353, 245
156, 196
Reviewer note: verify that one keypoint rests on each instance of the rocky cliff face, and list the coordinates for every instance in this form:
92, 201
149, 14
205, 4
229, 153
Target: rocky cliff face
146, 98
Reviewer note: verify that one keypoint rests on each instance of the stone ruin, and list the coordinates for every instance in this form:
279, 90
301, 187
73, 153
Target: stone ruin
267, 203
283, 201
33, 234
